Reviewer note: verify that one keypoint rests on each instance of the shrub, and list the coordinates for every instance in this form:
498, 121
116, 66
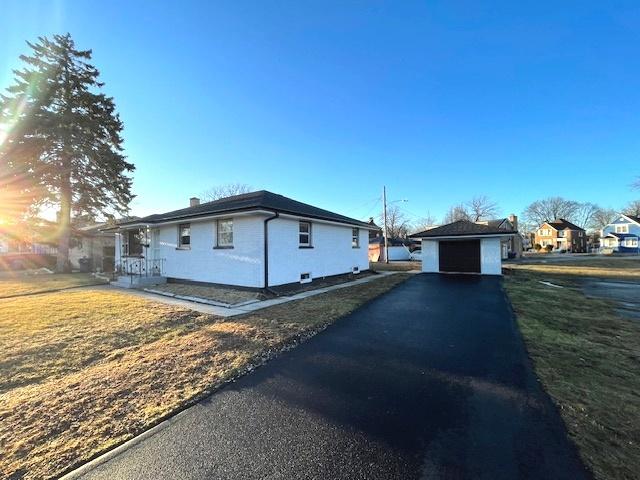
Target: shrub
537, 247
548, 248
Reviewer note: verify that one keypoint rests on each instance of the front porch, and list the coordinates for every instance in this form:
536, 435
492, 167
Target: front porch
139, 272
138, 263
621, 243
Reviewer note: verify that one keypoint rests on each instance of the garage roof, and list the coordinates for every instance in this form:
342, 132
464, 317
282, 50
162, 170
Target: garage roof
463, 228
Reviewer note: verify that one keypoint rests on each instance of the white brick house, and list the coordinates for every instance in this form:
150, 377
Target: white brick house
257, 240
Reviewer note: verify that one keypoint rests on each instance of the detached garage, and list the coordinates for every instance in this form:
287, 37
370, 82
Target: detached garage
463, 247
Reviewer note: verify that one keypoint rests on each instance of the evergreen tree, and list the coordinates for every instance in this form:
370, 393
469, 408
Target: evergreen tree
64, 135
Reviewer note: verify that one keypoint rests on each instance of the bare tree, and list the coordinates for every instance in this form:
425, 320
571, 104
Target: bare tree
223, 191
636, 184
633, 208
549, 208
481, 207
429, 221
584, 213
457, 212
602, 217
397, 222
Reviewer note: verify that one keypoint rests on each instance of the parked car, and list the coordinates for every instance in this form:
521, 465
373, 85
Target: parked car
416, 255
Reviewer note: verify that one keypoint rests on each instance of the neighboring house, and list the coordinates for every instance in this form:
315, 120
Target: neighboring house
376, 231
528, 239
622, 235
512, 246
562, 235
38, 237
92, 248
258, 240
463, 247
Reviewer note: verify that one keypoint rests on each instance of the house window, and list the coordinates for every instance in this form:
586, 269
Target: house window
304, 234
622, 228
184, 235
355, 237
225, 233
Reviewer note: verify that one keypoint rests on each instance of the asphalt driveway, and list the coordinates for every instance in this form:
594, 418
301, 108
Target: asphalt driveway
429, 381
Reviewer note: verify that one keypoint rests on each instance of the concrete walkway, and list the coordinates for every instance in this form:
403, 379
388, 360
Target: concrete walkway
239, 310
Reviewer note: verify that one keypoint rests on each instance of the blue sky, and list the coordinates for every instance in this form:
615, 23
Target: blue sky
327, 101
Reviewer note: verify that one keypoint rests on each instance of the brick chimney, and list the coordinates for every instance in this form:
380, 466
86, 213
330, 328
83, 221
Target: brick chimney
194, 201
514, 221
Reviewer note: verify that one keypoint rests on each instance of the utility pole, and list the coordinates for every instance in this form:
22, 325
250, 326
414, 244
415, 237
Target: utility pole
384, 220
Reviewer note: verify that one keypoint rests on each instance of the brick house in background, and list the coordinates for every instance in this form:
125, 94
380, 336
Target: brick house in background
512, 246
562, 235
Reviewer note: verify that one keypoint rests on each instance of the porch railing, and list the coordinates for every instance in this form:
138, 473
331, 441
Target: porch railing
141, 267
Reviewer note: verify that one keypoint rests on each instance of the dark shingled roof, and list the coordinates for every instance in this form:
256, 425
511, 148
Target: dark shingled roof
633, 217
261, 200
562, 224
460, 228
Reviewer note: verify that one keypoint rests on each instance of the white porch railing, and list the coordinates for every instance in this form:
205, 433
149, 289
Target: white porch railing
141, 267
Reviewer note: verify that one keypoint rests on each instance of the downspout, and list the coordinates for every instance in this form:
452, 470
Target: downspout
266, 248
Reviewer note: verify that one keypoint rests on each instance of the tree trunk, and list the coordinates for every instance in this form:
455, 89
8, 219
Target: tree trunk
62, 260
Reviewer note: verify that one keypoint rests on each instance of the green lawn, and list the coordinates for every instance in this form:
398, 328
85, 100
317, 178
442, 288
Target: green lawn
22, 284
588, 359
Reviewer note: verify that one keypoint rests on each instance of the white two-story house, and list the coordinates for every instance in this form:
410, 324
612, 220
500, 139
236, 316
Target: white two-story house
256, 240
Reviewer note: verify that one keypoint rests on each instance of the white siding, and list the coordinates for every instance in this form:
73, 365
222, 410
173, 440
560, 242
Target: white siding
430, 256
332, 253
241, 265
490, 256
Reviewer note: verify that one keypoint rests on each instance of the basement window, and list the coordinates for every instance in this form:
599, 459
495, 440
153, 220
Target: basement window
305, 278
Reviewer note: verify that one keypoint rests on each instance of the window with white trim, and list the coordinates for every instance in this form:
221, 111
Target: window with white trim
304, 234
355, 237
184, 235
225, 233
622, 228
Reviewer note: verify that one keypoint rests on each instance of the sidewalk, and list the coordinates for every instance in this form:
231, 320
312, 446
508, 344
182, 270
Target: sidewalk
241, 309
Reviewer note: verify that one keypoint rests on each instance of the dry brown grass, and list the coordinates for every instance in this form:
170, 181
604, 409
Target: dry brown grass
623, 268
120, 364
20, 284
394, 266
588, 359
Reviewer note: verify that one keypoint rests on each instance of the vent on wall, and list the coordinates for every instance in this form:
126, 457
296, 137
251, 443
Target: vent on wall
305, 278
356, 270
